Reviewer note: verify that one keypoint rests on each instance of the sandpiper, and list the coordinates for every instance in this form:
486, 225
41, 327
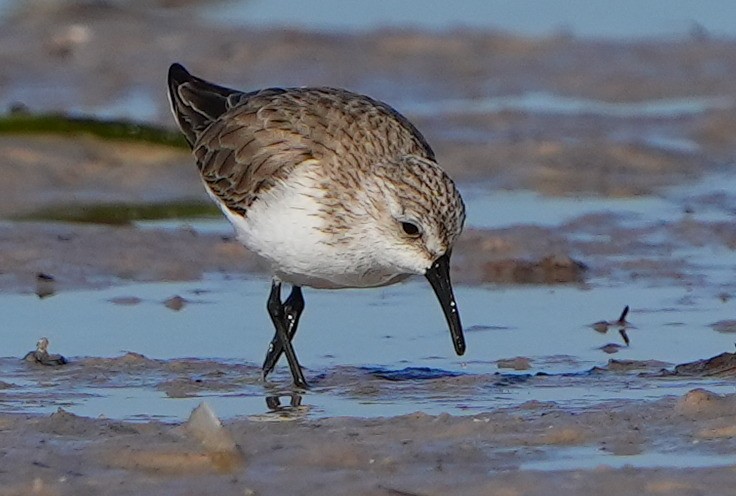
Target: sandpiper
332, 188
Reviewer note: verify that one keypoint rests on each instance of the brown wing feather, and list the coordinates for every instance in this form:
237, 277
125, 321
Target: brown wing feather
259, 141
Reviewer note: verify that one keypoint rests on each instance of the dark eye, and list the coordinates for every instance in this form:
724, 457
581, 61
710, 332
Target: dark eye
410, 229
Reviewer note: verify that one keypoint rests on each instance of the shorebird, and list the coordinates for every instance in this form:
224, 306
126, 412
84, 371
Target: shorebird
332, 188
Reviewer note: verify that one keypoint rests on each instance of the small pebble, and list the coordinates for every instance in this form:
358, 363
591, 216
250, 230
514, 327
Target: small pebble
175, 303
518, 363
45, 285
725, 326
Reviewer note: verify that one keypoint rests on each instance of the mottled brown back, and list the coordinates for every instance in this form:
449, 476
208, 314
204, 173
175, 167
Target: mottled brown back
245, 142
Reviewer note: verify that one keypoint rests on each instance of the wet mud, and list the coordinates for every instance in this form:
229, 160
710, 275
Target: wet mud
514, 451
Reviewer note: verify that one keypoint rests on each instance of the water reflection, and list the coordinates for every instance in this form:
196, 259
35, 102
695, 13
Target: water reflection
621, 324
293, 409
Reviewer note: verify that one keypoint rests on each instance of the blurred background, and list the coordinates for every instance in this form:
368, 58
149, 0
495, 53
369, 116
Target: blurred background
102, 55
510, 91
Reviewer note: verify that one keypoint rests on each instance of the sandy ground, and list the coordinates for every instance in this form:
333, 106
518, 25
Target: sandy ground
413, 454
58, 58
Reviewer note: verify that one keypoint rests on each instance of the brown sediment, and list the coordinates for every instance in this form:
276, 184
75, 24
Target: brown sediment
410, 454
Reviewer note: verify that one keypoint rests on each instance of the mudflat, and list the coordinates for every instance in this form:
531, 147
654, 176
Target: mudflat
642, 121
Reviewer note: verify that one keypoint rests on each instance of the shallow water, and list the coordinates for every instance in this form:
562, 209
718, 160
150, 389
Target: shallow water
494, 209
391, 327
584, 18
549, 103
590, 458
594, 19
352, 340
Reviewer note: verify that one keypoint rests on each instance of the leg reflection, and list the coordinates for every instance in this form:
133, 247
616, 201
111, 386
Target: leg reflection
273, 403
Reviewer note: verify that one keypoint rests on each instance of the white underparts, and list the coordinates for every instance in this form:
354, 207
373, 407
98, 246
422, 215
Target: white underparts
286, 227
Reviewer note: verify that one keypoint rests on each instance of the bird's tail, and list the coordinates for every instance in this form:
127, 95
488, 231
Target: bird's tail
195, 102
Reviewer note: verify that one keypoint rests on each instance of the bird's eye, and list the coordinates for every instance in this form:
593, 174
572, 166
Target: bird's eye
410, 229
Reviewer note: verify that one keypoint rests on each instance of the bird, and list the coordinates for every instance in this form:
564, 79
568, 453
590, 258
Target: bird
333, 189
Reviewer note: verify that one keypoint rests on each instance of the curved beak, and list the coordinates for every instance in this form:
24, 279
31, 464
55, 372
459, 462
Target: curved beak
439, 277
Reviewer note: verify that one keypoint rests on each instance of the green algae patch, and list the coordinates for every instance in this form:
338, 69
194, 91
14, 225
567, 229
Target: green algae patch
123, 213
118, 130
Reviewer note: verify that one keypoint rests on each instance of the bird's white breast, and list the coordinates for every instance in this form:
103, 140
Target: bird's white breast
285, 226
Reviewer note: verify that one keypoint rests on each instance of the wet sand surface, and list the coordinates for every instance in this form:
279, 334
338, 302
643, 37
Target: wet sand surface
519, 451
590, 168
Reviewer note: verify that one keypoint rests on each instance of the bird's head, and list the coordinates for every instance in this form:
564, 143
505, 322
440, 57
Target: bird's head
420, 215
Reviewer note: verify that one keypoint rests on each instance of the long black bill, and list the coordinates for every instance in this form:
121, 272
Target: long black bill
439, 277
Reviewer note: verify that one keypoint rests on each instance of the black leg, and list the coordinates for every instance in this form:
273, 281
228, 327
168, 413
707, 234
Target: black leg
278, 317
292, 308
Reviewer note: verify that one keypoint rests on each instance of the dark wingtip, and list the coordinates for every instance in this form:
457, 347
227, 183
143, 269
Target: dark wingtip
178, 74
196, 103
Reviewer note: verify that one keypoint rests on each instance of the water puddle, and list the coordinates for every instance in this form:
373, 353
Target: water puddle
136, 104
709, 199
549, 103
581, 458
657, 19
368, 353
